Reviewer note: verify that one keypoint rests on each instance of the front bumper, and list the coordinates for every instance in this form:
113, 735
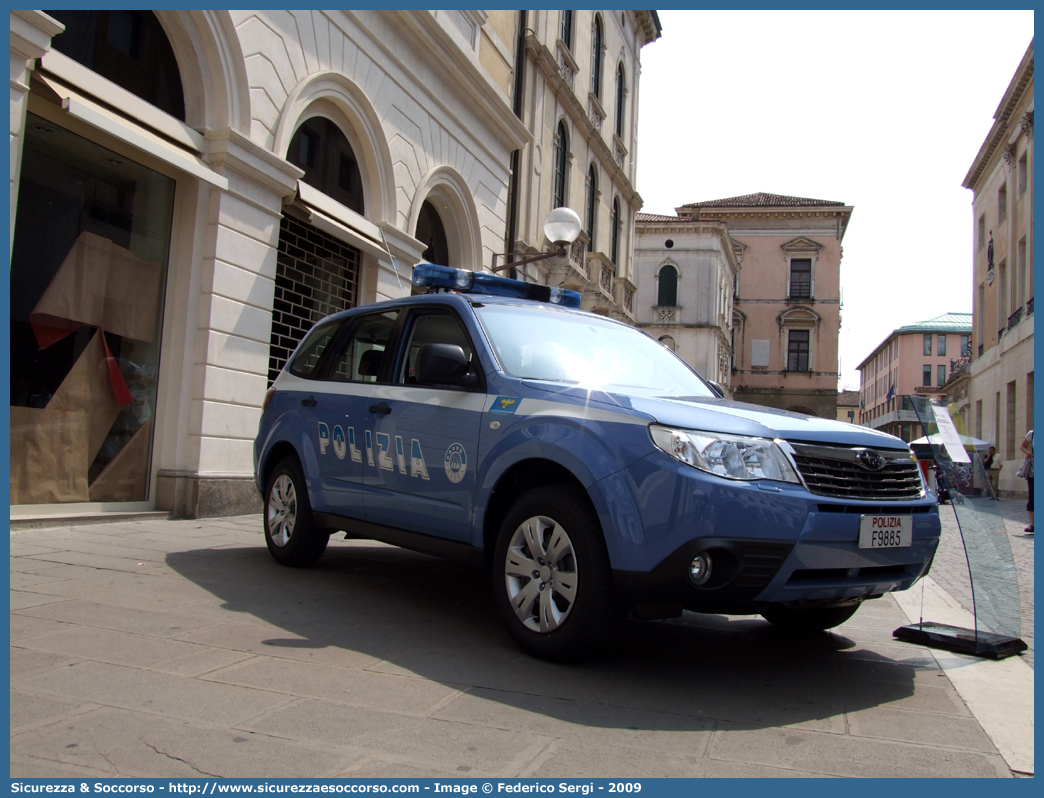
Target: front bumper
771, 544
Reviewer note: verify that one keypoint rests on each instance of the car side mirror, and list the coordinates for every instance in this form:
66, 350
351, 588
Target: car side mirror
444, 364
716, 388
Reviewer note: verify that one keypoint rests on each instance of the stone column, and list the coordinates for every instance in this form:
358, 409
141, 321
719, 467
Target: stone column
31, 34
231, 310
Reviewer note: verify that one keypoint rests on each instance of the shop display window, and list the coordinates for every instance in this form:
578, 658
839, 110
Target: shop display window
88, 274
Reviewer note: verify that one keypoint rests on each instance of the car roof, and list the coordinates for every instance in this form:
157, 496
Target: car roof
460, 300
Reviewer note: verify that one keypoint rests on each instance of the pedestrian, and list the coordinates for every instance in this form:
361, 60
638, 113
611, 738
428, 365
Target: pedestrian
1026, 472
992, 468
987, 461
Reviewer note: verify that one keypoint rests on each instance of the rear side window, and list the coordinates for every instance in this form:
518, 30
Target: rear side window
362, 358
311, 350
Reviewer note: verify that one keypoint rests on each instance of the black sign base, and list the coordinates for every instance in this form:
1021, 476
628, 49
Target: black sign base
964, 641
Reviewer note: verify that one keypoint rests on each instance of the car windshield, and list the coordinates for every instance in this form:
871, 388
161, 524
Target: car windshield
538, 343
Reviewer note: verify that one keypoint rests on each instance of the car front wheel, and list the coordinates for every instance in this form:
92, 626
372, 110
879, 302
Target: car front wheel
290, 531
552, 579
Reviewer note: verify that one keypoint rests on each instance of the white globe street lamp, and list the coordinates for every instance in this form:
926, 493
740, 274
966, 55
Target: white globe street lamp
561, 226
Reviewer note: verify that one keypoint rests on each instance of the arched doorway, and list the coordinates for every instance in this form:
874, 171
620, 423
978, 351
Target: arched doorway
130, 48
89, 262
320, 148
316, 273
432, 233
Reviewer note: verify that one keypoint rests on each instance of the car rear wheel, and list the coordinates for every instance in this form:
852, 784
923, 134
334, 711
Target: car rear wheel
812, 620
552, 579
290, 531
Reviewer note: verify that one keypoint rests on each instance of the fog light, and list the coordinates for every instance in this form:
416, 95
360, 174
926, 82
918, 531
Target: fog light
700, 568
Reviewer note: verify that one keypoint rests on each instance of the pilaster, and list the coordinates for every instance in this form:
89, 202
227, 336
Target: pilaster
31, 34
229, 331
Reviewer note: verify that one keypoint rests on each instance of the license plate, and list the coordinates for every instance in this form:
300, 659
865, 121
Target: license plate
885, 531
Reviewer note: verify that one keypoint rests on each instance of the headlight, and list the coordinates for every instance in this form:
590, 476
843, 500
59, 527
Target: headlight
732, 456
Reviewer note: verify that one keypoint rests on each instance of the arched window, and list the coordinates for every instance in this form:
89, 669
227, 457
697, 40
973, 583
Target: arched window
561, 166
589, 206
129, 48
431, 232
596, 58
667, 295
614, 232
321, 149
567, 29
620, 101
667, 341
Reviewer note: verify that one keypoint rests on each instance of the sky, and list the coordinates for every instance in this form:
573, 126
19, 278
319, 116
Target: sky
882, 110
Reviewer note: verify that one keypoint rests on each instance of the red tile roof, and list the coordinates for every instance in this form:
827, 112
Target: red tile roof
763, 200
656, 217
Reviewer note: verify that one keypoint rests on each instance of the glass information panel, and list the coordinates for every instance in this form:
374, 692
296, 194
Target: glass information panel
964, 489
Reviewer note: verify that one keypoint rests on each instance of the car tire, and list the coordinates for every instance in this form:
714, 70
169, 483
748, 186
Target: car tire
290, 530
558, 602
813, 620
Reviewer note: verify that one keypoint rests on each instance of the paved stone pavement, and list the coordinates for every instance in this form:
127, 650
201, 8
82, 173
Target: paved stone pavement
950, 568
180, 649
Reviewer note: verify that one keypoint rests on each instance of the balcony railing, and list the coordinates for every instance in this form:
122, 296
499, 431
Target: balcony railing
1014, 318
1029, 306
958, 367
666, 315
578, 253
567, 67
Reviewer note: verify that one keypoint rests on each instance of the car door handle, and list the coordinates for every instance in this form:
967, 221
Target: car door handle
309, 402
381, 408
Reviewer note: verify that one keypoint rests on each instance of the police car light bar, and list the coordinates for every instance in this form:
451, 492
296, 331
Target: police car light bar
468, 282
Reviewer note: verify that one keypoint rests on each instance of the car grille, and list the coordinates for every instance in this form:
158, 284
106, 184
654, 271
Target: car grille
835, 471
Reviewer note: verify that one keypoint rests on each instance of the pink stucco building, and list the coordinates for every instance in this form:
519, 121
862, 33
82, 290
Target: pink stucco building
787, 297
915, 360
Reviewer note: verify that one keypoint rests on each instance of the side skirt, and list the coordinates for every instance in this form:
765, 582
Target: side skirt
415, 541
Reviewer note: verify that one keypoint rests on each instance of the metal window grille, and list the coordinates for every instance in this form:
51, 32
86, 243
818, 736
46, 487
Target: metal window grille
316, 275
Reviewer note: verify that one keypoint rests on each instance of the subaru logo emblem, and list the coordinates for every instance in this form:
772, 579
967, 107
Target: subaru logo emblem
870, 460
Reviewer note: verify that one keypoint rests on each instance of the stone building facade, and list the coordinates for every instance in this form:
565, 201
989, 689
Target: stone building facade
689, 271
579, 82
1001, 389
190, 190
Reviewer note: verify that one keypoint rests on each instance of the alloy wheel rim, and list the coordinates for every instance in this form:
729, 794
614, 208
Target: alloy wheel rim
282, 510
540, 572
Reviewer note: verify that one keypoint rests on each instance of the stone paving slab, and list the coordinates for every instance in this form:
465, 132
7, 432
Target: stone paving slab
140, 745
212, 659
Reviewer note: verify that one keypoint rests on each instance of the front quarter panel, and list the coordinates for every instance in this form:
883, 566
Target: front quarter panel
589, 442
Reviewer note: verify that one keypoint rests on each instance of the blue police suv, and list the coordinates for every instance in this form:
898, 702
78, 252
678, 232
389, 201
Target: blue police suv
581, 462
